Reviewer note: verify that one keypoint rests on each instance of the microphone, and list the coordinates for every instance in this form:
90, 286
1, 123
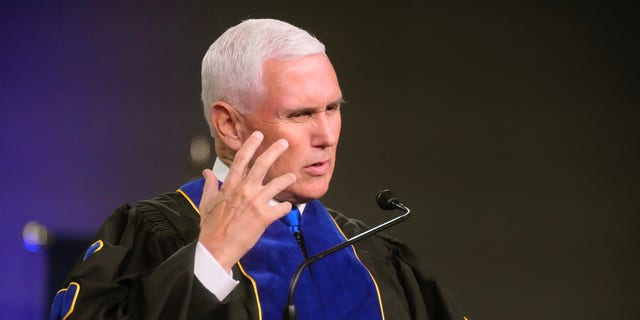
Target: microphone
386, 201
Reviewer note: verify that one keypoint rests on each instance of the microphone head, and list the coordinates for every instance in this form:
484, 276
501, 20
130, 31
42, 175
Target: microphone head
386, 200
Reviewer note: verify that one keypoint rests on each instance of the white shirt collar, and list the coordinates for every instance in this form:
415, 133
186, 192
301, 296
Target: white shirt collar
222, 171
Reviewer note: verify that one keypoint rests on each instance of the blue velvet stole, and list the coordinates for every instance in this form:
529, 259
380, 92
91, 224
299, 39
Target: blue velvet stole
336, 287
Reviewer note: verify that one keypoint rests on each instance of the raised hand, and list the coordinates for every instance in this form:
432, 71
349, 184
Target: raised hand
234, 217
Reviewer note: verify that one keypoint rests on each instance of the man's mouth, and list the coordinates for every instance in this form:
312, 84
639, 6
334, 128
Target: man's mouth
317, 168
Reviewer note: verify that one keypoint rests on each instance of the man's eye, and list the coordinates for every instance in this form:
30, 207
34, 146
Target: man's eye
298, 115
333, 107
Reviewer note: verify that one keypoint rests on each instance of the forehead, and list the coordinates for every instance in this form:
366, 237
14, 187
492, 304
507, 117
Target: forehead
304, 82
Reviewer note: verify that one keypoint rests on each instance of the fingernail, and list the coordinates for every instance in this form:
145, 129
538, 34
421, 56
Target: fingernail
284, 142
257, 134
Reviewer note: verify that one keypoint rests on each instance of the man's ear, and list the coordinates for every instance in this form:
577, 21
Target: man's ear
228, 125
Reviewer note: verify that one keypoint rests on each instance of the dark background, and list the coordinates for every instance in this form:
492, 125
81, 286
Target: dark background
512, 131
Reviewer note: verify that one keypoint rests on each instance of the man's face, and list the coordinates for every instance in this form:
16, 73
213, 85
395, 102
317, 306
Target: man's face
302, 105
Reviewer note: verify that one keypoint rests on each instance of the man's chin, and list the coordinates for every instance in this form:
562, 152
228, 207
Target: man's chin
302, 195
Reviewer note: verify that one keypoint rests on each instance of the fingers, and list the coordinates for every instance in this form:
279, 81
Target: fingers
266, 160
247, 185
234, 218
281, 209
278, 185
271, 211
260, 167
242, 159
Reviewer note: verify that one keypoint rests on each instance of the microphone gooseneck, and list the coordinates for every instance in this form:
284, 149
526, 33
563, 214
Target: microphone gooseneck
386, 201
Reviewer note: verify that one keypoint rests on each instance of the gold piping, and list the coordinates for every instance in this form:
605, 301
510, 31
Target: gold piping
75, 297
372, 278
255, 289
189, 199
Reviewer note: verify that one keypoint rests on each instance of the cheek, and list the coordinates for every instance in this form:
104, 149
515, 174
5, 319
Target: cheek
337, 125
285, 163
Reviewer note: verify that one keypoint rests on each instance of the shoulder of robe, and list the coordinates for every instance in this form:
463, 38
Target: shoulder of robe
378, 245
166, 216
395, 252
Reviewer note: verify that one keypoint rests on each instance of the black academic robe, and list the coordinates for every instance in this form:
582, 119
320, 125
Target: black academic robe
143, 269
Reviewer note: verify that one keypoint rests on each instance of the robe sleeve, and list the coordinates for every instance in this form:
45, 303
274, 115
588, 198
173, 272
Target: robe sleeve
139, 267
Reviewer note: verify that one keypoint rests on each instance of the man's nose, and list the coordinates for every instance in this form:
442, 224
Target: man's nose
324, 131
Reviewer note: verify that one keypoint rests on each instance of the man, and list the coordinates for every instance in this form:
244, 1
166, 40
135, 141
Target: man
226, 246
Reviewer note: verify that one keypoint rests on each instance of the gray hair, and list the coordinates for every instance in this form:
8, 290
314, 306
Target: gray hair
232, 67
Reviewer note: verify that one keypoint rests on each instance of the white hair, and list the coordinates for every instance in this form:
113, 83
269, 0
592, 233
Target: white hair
232, 67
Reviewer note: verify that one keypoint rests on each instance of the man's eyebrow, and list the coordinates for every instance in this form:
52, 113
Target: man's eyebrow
338, 102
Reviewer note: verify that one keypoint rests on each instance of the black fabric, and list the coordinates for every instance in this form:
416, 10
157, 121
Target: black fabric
145, 271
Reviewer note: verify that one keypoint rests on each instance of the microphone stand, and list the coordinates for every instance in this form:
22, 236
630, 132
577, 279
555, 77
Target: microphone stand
290, 310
